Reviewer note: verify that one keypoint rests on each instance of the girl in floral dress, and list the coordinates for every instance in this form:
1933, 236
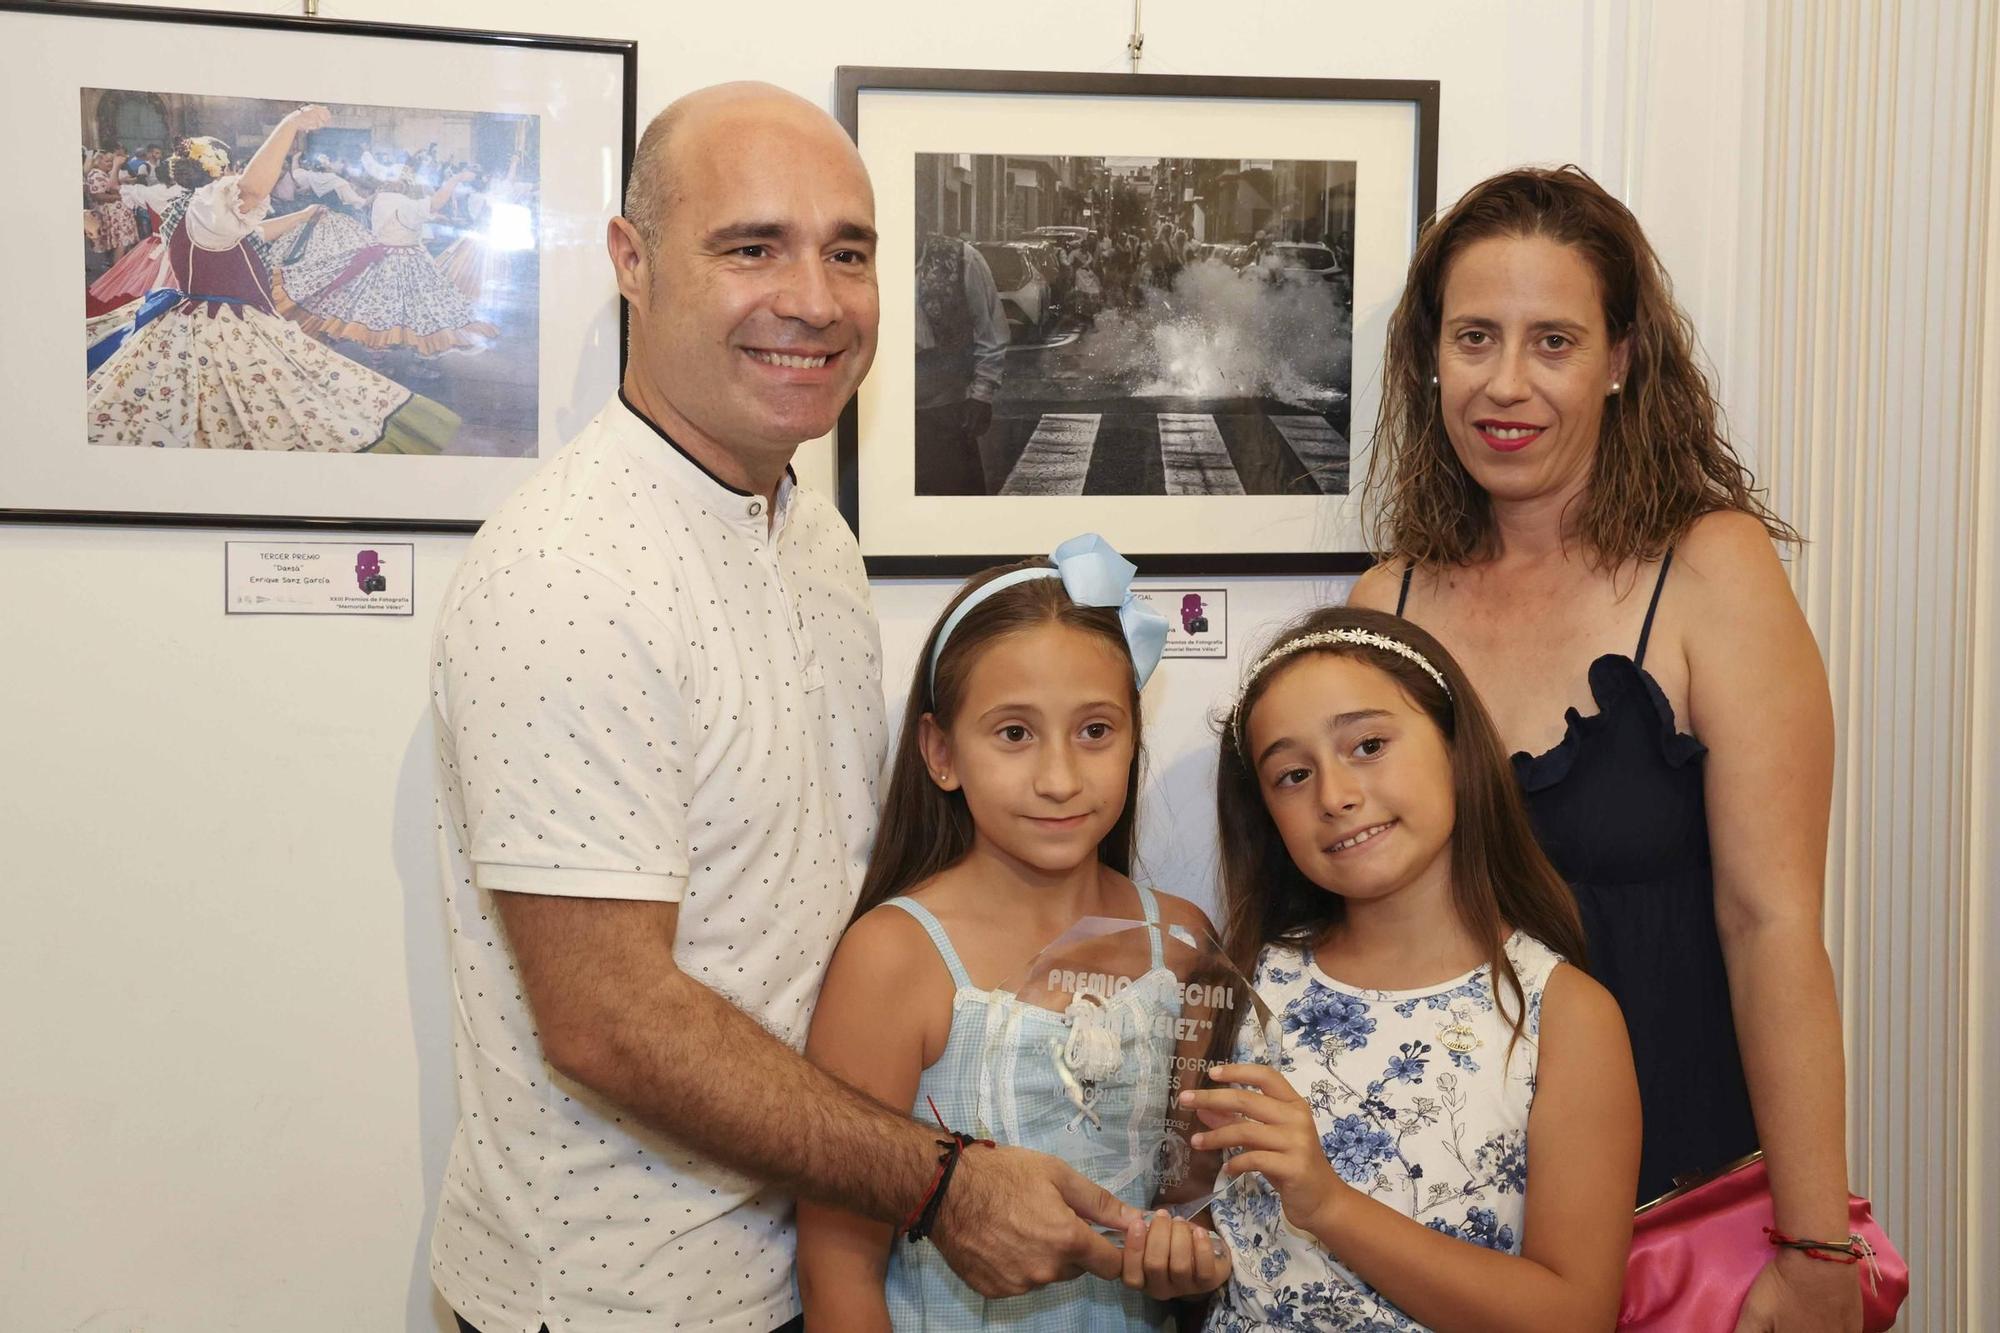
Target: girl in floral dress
207, 363
1451, 1140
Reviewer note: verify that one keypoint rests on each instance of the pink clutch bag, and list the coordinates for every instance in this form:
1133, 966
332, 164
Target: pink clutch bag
1696, 1251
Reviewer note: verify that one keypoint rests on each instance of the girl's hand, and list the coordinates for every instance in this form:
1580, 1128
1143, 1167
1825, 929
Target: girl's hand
1167, 1258
1795, 1292
1274, 1126
310, 118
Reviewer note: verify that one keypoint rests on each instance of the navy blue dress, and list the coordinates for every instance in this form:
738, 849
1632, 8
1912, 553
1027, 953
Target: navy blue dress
1618, 807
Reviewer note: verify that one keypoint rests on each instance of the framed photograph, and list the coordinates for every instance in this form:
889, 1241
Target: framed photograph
1152, 306
281, 272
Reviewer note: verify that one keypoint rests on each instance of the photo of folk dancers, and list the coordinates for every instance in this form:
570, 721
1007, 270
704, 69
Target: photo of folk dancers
335, 278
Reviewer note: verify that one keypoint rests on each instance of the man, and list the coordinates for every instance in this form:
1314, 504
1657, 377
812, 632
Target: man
961, 336
659, 723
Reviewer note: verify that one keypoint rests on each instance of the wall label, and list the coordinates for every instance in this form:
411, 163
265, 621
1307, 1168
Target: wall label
319, 578
1197, 619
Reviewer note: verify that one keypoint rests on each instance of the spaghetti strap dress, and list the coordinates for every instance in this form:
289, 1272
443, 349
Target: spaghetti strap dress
997, 1075
1618, 806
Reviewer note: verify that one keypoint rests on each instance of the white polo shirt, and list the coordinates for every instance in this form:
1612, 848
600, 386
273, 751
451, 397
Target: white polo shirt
642, 687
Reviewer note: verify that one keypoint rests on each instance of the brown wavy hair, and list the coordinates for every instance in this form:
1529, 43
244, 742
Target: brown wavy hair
1499, 875
1663, 459
924, 829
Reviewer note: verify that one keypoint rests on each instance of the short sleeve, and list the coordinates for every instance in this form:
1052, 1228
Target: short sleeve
214, 217
566, 733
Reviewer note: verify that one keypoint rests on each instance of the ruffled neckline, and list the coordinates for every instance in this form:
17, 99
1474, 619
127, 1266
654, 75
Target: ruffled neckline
1614, 678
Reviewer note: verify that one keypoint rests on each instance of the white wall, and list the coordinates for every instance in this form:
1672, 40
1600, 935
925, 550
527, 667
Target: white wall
225, 1035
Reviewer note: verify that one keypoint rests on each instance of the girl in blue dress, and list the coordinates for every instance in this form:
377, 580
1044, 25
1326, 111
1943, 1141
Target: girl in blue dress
1010, 816
1451, 1138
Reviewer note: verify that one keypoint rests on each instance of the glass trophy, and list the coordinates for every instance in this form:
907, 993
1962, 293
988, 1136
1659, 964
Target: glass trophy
1090, 1049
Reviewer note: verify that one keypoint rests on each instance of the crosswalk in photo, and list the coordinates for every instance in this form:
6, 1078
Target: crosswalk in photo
1239, 452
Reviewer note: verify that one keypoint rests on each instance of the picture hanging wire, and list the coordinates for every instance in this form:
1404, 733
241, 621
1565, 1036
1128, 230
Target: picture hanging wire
1134, 46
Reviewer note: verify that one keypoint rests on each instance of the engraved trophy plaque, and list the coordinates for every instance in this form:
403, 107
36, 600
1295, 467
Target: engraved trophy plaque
1089, 1055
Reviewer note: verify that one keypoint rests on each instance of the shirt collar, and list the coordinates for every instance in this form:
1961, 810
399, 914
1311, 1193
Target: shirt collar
732, 504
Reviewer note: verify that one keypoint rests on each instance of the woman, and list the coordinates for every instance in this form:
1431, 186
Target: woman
388, 292
467, 262
207, 363
1554, 499
117, 229
143, 265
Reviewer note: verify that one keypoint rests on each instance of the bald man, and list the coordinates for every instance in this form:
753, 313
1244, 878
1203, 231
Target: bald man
659, 719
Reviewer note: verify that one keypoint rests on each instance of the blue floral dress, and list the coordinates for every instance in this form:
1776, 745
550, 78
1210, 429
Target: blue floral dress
1419, 1104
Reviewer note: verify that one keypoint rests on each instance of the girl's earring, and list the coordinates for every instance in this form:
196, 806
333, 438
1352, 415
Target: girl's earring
1434, 381
1615, 386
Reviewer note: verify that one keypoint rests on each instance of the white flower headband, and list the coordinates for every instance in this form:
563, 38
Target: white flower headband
1326, 638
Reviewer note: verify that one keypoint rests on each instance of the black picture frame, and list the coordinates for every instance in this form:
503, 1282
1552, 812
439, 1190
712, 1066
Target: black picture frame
854, 86
448, 495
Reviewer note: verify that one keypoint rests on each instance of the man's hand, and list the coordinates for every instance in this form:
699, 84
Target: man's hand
978, 416
1015, 1220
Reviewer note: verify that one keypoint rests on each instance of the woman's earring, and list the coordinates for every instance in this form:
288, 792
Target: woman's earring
1434, 381
1615, 386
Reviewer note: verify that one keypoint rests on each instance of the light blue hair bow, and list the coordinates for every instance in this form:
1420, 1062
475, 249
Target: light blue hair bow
1093, 574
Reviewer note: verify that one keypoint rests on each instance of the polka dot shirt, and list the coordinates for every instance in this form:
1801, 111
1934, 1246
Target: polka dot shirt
643, 687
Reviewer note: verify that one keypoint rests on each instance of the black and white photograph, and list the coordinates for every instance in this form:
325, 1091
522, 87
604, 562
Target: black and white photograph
1132, 325
1150, 306
329, 279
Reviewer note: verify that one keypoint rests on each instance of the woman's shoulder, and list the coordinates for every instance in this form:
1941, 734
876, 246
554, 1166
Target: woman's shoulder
1726, 537
1380, 586
1727, 577
1728, 554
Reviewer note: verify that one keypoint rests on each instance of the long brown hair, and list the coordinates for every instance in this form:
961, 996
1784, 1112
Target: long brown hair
925, 829
1499, 875
1662, 457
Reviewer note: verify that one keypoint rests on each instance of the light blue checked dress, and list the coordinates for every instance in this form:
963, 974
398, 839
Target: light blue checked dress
997, 1078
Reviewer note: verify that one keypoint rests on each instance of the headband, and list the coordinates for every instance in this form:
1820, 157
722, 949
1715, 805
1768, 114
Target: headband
1093, 574
1326, 638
